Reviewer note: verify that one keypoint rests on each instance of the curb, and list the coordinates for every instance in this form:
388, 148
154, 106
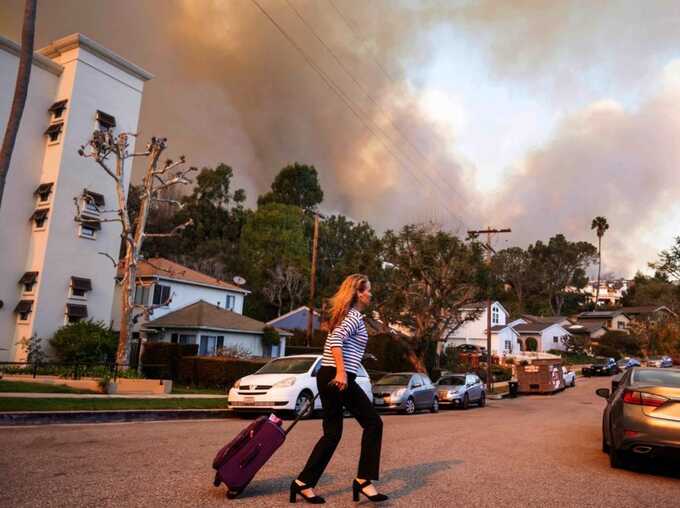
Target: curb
10, 419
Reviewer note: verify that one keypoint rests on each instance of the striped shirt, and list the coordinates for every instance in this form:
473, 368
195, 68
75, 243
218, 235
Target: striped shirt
352, 337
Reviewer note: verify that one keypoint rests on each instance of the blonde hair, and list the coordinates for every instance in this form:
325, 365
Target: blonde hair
343, 300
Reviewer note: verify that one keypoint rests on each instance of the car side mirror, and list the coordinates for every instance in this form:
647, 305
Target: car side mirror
603, 392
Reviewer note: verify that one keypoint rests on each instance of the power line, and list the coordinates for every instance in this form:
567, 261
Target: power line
335, 89
364, 89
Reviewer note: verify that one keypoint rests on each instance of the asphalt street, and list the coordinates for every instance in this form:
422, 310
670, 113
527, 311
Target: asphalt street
529, 451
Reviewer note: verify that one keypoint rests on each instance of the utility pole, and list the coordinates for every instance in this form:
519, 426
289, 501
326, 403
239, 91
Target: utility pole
312, 282
488, 232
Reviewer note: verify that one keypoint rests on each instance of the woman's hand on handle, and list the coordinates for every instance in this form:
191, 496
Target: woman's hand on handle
340, 380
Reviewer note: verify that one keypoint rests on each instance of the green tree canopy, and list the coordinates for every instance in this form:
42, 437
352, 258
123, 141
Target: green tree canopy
296, 185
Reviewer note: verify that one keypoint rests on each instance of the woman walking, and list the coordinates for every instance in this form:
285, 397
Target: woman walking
337, 387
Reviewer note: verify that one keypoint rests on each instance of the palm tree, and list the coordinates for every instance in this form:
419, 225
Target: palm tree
20, 92
600, 225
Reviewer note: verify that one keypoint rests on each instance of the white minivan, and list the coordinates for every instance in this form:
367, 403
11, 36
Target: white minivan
284, 384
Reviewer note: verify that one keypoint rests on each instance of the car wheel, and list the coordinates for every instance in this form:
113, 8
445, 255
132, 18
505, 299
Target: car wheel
303, 400
466, 402
410, 406
617, 458
435, 406
573, 382
482, 400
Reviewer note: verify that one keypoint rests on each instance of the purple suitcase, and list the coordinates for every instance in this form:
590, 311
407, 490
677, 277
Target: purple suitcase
237, 463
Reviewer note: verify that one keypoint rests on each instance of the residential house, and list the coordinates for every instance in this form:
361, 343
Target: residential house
474, 331
616, 320
541, 336
51, 271
213, 327
297, 320
592, 330
168, 286
648, 312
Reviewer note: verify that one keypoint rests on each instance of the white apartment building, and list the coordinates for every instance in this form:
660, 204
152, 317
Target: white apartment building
51, 272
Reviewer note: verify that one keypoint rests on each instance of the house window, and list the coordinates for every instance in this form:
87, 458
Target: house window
142, 295
187, 339
43, 193
75, 312
556, 340
89, 228
621, 325
105, 121
92, 203
39, 217
24, 309
57, 109
161, 294
79, 287
28, 280
495, 315
210, 344
508, 345
231, 301
53, 132
174, 337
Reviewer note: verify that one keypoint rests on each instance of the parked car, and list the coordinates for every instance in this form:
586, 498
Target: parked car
642, 416
627, 363
601, 367
569, 377
459, 390
660, 362
284, 384
406, 392
467, 348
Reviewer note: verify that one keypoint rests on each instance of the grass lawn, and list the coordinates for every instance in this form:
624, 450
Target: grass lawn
47, 404
197, 390
28, 387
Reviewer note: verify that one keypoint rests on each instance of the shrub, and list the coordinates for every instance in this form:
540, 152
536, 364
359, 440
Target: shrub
160, 360
85, 342
215, 371
617, 344
33, 346
270, 336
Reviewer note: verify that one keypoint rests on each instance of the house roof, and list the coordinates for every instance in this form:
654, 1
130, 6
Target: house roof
166, 269
544, 319
532, 327
585, 327
482, 306
498, 328
209, 317
645, 309
600, 314
296, 320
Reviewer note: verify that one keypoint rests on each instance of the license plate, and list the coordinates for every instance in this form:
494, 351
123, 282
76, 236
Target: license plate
379, 402
249, 401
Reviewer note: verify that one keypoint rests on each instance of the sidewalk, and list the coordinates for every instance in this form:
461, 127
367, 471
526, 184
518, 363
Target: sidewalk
32, 395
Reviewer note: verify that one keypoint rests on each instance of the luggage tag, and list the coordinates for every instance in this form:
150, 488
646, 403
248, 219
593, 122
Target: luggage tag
275, 419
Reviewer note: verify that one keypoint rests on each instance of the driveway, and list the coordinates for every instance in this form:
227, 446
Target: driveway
530, 451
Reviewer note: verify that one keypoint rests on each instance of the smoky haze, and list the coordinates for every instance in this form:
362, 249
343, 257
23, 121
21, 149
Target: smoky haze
230, 87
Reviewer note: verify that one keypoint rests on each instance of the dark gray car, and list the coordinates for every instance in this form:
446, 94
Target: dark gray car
460, 390
406, 392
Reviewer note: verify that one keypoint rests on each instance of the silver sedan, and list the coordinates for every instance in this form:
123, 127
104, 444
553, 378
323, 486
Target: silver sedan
460, 390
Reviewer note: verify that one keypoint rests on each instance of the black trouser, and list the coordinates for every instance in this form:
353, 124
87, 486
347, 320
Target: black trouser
357, 403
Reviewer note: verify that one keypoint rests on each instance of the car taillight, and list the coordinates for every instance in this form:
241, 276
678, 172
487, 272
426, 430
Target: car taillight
643, 399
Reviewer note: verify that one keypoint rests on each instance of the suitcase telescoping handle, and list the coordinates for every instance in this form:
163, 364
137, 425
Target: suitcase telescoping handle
308, 406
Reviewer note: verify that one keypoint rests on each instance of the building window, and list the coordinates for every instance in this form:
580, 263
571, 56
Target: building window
75, 312
39, 217
621, 325
210, 345
231, 301
92, 203
24, 309
89, 228
508, 345
80, 287
556, 340
161, 294
174, 337
43, 193
142, 295
53, 132
57, 109
187, 339
105, 121
495, 315
28, 280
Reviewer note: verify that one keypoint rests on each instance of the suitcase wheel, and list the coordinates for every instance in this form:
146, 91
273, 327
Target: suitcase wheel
232, 494
217, 480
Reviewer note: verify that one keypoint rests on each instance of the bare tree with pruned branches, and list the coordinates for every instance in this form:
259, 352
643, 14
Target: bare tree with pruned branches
111, 151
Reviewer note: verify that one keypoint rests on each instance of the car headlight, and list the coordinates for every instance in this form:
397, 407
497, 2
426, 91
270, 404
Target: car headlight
237, 384
284, 383
398, 394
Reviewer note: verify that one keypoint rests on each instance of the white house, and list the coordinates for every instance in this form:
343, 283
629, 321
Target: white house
213, 327
546, 336
474, 331
169, 286
51, 272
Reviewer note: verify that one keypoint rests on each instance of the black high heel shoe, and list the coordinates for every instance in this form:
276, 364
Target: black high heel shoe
359, 488
296, 489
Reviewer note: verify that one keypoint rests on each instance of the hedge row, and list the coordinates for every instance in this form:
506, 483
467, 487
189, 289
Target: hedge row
215, 371
161, 360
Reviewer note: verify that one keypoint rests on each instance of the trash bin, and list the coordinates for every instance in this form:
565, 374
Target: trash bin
513, 387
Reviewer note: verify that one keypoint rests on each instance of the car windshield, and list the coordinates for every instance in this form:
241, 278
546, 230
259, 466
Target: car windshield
658, 377
394, 379
287, 366
454, 380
